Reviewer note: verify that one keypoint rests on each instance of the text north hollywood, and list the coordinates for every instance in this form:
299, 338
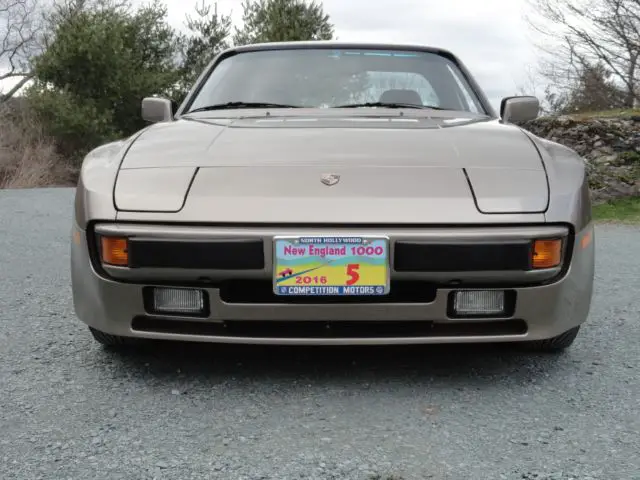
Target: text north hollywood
331, 240
338, 290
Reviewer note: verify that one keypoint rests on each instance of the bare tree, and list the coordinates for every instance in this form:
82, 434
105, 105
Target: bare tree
27, 27
532, 84
584, 33
19, 34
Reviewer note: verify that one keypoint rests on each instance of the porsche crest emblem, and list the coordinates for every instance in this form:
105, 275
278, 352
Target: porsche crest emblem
330, 179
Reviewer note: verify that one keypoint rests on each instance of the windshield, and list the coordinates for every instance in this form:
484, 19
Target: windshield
328, 78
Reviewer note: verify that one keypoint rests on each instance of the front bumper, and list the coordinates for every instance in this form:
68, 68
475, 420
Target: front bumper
241, 310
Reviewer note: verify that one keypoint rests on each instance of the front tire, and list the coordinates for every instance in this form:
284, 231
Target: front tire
112, 341
555, 344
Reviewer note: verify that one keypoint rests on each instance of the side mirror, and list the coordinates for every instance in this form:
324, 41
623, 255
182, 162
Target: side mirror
519, 109
155, 109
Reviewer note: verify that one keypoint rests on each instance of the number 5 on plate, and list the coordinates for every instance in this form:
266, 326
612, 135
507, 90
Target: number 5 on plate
352, 272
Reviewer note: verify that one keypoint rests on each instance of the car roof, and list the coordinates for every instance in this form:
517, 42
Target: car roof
341, 44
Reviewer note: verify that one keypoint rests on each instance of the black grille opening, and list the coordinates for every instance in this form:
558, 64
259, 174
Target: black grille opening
431, 257
330, 329
261, 291
228, 254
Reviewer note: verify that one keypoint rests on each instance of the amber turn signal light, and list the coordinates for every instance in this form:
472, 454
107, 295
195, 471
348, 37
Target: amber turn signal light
546, 253
115, 251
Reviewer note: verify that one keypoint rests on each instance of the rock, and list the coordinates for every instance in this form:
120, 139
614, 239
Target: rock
606, 159
609, 146
600, 150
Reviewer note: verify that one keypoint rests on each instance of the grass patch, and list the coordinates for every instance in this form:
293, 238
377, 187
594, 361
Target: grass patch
28, 157
621, 113
614, 113
623, 210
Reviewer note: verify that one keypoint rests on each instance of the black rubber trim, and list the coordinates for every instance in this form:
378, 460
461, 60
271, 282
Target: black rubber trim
432, 257
330, 329
94, 255
261, 292
240, 254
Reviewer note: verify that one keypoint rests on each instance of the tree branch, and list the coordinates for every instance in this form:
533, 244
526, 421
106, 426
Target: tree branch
590, 32
15, 88
19, 40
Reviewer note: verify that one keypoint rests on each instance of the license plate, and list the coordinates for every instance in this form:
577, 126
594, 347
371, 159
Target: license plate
331, 266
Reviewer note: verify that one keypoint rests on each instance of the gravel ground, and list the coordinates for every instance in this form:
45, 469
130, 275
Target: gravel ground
69, 409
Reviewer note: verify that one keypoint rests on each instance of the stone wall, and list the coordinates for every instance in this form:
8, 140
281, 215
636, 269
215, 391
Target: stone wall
610, 146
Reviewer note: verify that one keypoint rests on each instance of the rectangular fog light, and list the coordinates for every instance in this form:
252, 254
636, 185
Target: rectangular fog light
178, 300
479, 302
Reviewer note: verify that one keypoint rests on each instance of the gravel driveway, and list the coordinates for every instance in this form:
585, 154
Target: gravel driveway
69, 409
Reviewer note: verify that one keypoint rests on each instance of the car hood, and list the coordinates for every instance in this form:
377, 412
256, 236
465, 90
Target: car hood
276, 163
345, 142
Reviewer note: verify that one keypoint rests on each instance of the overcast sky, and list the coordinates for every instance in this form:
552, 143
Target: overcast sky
490, 36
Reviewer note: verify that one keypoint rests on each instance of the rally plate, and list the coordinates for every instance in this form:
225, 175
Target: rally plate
331, 266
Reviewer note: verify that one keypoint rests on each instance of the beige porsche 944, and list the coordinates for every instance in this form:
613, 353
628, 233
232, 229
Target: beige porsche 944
334, 193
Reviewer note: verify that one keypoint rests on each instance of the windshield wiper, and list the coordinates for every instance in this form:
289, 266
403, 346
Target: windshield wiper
227, 105
387, 105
